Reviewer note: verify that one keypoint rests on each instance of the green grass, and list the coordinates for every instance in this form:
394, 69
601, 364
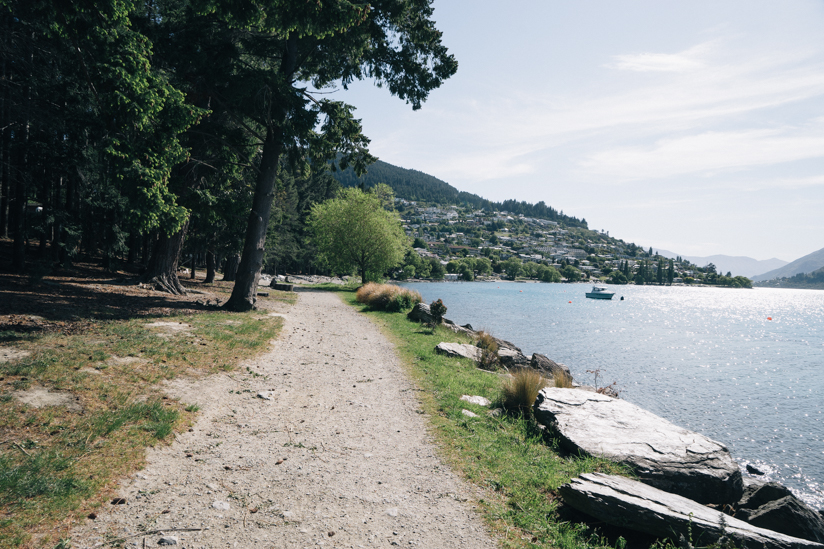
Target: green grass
509, 457
57, 465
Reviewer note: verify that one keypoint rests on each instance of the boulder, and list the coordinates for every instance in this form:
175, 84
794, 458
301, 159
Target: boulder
662, 454
756, 495
549, 368
458, 350
631, 504
510, 358
504, 344
788, 515
420, 313
475, 399
281, 287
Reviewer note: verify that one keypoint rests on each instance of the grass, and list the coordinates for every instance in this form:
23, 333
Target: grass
521, 390
58, 465
515, 464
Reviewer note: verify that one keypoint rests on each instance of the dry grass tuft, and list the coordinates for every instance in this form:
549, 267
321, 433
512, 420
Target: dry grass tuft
489, 351
387, 297
521, 390
563, 380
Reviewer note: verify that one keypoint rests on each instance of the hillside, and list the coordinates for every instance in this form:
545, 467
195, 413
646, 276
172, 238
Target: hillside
809, 281
807, 264
737, 265
420, 187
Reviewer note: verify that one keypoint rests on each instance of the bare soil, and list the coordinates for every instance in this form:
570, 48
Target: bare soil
340, 457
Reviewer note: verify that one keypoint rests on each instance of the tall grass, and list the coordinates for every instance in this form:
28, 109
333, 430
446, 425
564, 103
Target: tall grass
489, 351
387, 297
521, 390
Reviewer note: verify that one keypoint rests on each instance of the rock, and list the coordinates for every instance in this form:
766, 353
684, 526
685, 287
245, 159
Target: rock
468, 327
458, 350
549, 368
167, 540
282, 287
458, 329
420, 313
479, 400
265, 395
661, 454
510, 358
757, 495
788, 515
504, 344
634, 505
467, 413
221, 505
753, 470
497, 412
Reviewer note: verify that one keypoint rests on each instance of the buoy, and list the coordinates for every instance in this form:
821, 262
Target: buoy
570, 302
769, 318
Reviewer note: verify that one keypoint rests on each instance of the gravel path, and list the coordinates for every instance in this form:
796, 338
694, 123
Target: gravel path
339, 457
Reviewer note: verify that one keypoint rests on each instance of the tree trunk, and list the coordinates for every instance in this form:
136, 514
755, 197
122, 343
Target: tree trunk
245, 291
210, 267
194, 263
162, 268
230, 271
244, 294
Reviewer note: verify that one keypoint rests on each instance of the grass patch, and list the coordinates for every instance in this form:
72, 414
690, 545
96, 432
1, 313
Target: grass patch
57, 465
512, 460
387, 297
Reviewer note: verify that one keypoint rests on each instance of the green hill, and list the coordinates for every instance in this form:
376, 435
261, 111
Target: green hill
421, 187
809, 281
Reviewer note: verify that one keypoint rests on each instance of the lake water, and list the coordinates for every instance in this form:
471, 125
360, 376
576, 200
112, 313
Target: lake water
708, 359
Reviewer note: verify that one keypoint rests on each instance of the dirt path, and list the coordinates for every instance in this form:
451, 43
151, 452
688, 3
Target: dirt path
338, 458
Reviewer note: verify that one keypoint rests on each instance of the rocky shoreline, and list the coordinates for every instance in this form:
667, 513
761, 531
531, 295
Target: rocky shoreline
687, 484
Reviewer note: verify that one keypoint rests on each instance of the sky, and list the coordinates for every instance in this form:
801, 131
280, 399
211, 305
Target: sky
693, 126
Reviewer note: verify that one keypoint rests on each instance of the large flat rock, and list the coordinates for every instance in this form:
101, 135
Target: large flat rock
634, 505
458, 350
662, 454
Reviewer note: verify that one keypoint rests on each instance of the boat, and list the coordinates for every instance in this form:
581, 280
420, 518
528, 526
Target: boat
600, 293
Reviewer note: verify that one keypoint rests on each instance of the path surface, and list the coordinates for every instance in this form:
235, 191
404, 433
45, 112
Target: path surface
339, 458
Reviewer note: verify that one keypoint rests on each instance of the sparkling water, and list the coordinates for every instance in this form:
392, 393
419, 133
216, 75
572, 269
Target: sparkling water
744, 367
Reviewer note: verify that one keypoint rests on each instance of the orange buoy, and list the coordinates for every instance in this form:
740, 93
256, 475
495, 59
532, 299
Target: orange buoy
769, 318
570, 302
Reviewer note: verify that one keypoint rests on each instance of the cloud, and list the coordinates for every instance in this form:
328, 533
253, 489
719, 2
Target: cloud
708, 152
688, 60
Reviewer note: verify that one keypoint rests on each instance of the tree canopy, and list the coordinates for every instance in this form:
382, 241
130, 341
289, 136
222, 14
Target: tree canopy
353, 230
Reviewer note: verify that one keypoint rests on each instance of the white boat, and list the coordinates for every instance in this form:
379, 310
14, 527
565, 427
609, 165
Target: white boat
600, 293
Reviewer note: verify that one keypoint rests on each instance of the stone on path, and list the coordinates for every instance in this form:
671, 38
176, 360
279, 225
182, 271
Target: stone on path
458, 350
630, 504
167, 540
660, 453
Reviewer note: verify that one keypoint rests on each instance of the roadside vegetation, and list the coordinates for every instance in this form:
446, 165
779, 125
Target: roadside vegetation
518, 467
59, 463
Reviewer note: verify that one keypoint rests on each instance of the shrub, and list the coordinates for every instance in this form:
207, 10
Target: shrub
387, 297
521, 390
437, 309
489, 351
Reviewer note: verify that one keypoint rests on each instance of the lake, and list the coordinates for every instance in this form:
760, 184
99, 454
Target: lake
744, 367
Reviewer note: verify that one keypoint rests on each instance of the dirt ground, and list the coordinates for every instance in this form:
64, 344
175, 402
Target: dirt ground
318, 443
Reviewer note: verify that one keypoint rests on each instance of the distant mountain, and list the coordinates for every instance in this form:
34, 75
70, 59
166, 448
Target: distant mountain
737, 265
809, 281
420, 187
806, 264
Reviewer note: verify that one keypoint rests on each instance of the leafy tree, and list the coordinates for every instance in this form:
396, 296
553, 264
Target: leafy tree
436, 270
355, 231
419, 243
547, 273
571, 273
272, 52
617, 277
512, 267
